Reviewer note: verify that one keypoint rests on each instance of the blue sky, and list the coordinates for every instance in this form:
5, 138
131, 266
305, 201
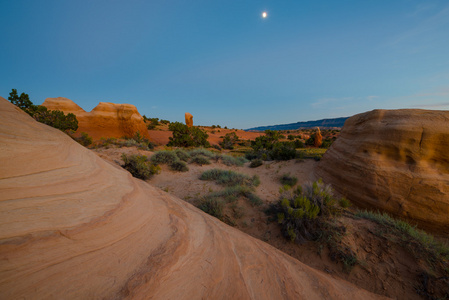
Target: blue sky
225, 64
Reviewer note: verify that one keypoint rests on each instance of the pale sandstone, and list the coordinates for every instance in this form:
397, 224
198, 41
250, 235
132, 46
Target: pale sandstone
396, 161
73, 226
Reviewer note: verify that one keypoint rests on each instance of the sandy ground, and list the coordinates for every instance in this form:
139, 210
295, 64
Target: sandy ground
385, 268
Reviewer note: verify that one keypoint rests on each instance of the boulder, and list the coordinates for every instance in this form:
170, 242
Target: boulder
73, 226
189, 119
395, 161
105, 120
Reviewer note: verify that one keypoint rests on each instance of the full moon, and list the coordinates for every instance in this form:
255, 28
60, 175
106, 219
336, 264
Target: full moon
264, 14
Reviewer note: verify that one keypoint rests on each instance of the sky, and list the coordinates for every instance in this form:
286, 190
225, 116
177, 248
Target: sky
224, 63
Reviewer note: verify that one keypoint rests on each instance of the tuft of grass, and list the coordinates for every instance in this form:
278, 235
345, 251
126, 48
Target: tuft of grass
233, 161
287, 179
182, 155
345, 203
417, 241
212, 206
230, 178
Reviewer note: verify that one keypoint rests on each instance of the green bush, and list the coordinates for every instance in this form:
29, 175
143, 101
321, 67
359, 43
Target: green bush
179, 166
286, 179
184, 136
182, 155
233, 161
345, 203
229, 178
84, 139
200, 160
164, 157
212, 206
201, 152
229, 140
139, 166
257, 162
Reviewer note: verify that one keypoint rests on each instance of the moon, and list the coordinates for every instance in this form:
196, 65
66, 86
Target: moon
264, 14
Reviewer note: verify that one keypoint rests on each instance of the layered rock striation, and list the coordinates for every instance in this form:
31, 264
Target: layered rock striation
105, 120
73, 226
396, 161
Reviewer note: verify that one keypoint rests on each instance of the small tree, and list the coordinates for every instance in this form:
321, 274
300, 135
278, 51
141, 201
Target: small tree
23, 102
229, 140
184, 136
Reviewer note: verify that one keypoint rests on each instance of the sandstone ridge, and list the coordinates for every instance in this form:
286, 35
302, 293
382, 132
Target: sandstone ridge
73, 226
396, 161
105, 120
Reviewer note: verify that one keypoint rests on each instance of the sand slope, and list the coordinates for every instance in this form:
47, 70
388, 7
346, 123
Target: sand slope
73, 226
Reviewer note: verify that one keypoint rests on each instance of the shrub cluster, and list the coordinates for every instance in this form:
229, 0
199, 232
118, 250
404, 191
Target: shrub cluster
229, 140
84, 139
176, 160
139, 166
268, 147
230, 178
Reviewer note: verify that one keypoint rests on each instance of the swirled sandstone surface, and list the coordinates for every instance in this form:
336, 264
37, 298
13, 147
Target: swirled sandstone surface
73, 226
396, 161
105, 120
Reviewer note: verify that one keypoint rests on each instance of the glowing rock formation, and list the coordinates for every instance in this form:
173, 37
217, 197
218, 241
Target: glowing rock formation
189, 119
318, 138
396, 161
73, 226
105, 120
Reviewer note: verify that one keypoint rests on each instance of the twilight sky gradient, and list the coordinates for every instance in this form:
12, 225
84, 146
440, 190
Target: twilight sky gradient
220, 61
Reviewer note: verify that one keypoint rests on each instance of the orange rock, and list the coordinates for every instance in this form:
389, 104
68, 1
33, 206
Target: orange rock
73, 226
396, 161
189, 119
105, 120
318, 138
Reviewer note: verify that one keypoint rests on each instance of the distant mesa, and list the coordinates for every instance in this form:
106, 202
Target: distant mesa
105, 120
396, 161
74, 226
324, 123
189, 119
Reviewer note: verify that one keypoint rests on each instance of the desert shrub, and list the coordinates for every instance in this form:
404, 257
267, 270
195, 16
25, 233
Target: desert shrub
269, 147
283, 151
200, 160
84, 139
182, 155
213, 206
290, 137
179, 166
139, 166
233, 161
184, 136
229, 140
202, 152
327, 143
164, 157
298, 211
229, 178
287, 179
345, 203
257, 162
298, 143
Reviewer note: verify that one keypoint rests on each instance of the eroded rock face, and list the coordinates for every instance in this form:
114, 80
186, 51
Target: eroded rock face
189, 119
318, 138
105, 120
396, 161
73, 226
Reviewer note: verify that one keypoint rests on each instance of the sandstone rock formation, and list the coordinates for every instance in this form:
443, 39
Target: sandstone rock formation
318, 138
189, 119
105, 120
396, 161
73, 226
